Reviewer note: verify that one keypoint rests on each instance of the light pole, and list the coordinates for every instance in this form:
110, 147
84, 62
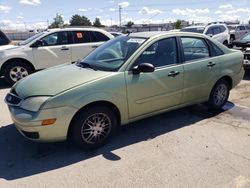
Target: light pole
120, 16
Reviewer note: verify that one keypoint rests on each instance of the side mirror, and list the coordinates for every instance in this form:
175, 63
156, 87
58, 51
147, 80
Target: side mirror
37, 44
210, 35
144, 67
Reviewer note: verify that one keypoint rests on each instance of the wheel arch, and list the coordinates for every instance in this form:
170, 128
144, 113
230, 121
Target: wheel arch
103, 103
13, 59
228, 79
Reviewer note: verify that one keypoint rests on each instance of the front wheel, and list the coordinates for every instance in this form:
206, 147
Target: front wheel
93, 127
219, 95
16, 70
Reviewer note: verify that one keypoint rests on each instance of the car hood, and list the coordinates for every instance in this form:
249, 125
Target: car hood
8, 47
56, 80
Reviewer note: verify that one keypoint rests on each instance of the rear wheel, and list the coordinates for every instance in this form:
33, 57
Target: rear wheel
93, 127
16, 70
219, 95
225, 43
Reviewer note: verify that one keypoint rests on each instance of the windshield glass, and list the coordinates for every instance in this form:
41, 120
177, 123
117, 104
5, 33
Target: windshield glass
111, 55
194, 29
31, 39
245, 38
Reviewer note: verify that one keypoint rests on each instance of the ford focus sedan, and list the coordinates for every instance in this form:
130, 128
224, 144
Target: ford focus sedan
126, 79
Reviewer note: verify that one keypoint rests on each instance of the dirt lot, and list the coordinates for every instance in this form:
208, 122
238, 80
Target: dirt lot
184, 148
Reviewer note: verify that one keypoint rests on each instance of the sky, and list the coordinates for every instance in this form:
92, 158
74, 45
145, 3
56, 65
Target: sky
29, 14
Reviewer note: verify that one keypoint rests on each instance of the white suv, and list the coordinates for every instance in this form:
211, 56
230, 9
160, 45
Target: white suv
218, 31
49, 48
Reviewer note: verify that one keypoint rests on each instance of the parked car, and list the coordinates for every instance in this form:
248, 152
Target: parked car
217, 31
47, 49
126, 79
246, 63
4, 40
237, 31
242, 42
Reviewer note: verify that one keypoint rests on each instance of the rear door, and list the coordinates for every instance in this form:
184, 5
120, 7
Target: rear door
56, 49
84, 42
200, 70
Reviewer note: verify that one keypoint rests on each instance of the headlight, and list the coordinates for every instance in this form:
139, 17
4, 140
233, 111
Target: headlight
33, 103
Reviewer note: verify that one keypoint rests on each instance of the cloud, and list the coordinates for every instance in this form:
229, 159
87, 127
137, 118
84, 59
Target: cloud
84, 10
5, 9
218, 12
190, 12
10, 25
30, 2
112, 9
20, 17
146, 10
227, 6
124, 4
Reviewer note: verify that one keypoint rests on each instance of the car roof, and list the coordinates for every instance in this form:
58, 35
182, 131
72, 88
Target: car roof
75, 29
151, 34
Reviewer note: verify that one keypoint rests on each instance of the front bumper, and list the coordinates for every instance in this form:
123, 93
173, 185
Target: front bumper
30, 125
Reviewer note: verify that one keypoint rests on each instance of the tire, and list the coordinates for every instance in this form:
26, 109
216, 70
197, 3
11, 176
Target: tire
219, 95
16, 70
102, 124
225, 43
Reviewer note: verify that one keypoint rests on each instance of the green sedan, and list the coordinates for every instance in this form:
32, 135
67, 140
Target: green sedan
126, 79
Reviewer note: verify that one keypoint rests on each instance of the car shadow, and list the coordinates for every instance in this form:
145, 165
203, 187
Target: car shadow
4, 84
247, 75
21, 158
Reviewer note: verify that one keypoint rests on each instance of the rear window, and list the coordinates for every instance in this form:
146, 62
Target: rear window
98, 37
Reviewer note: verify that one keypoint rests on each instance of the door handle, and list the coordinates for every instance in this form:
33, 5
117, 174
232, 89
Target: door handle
94, 46
211, 64
173, 73
64, 48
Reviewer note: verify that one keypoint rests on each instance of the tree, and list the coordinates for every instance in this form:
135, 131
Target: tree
129, 24
97, 23
77, 20
58, 21
178, 24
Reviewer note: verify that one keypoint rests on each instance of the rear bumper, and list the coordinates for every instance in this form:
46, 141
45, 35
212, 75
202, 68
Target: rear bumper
238, 77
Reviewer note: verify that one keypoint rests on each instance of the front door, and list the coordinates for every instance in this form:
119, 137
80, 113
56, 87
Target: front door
161, 89
54, 51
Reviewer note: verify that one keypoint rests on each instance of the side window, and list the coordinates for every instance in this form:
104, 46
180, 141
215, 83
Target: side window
194, 48
242, 28
216, 51
81, 37
58, 38
216, 30
222, 29
161, 53
98, 37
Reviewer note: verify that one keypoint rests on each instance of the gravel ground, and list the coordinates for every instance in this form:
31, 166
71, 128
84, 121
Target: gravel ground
190, 147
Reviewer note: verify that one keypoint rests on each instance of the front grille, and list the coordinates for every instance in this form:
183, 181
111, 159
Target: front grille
12, 98
247, 56
32, 135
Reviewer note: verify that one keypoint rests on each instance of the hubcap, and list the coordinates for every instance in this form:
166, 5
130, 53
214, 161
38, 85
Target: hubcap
220, 94
17, 73
96, 128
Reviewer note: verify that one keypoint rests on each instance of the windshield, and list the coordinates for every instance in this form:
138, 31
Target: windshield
27, 41
245, 38
111, 55
194, 29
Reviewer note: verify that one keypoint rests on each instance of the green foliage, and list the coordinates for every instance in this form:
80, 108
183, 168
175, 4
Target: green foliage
77, 20
129, 24
178, 24
58, 22
97, 23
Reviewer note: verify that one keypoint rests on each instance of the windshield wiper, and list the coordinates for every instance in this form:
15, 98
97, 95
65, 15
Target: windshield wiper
84, 65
